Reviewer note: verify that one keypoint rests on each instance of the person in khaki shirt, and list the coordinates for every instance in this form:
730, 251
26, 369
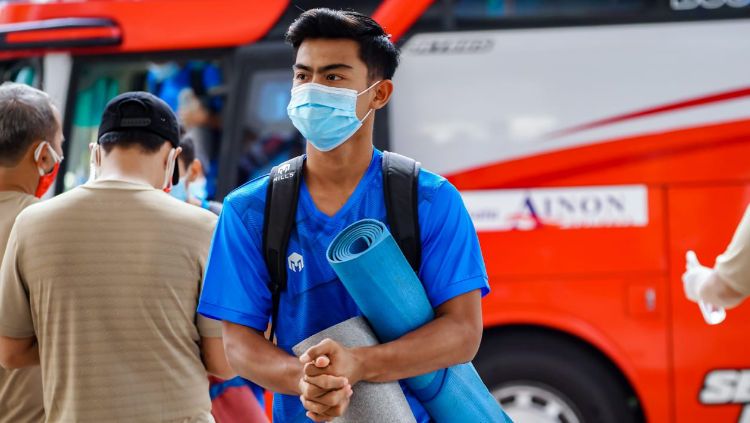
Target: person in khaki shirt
30, 154
105, 279
728, 283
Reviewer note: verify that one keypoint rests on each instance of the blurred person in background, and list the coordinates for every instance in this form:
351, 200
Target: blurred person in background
194, 90
192, 185
105, 280
259, 154
30, 155
727, 284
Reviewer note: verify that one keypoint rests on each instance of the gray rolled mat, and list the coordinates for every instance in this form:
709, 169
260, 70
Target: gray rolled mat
371, 402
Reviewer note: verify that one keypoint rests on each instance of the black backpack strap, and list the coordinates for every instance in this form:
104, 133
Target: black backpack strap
281, 208
400, 177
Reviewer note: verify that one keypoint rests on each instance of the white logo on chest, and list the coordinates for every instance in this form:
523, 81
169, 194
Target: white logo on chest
296, 262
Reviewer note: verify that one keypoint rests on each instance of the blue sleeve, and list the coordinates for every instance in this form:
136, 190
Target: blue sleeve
452, 262
236, 283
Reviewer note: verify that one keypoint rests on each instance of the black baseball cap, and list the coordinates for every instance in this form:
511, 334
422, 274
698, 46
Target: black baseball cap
142, 111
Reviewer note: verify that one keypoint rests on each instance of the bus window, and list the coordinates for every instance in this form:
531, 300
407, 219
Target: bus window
452, 15
192, 88
497, 9
22, 71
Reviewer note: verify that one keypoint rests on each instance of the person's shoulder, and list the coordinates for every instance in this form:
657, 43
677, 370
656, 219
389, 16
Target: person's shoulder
180, 210
249, 198
36, 210
16, 202
430, 184
25, 200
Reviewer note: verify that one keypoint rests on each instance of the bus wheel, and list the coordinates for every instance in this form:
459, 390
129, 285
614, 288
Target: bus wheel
540, 379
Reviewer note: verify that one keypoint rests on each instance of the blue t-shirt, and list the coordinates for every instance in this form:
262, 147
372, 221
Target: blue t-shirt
236, 282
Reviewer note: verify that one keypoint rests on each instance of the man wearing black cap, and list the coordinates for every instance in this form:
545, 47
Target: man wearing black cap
105, 280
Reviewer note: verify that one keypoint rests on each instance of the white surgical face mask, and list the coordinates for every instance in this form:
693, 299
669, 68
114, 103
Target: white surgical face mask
326, 116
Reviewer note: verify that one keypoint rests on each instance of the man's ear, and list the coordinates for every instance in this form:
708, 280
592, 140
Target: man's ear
195, 170
44, 159
383, 93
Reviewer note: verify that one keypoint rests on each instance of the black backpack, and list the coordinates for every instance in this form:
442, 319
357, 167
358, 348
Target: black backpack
400, 177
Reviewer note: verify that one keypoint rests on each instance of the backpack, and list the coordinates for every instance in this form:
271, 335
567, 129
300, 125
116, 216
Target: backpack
400, 177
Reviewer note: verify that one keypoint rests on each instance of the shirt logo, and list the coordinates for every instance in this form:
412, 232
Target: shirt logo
296, 262
284, 172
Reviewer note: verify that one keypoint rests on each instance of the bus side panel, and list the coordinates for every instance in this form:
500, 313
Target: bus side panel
611, 314
605, 285
711, 363
550, 250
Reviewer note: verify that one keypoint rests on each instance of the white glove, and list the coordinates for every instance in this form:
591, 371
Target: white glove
695, 276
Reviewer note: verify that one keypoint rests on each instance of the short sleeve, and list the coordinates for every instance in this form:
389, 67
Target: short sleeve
733, 265
235, 286
208, 328
15, 311
452, 262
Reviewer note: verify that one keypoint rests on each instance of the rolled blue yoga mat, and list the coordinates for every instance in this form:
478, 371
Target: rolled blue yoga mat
376, 274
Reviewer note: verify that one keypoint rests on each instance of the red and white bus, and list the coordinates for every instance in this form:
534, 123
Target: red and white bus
594, 143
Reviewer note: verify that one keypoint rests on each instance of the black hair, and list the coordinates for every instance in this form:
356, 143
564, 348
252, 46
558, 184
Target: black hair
188, 150
146, 141
26, 116
375, 46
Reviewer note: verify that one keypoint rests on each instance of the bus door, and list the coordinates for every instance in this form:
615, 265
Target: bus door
711, 364
258, 133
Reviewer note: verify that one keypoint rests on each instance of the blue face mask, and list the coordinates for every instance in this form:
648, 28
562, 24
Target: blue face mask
326, 116
178, 191
196, 189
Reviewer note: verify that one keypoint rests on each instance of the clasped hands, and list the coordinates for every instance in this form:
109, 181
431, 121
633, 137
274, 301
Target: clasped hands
330, 372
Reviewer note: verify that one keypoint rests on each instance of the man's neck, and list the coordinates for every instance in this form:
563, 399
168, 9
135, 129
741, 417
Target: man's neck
11, 179
333, 176
130, 166
342, 167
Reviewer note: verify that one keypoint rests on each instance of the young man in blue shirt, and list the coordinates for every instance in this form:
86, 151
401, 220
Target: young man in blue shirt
342, 75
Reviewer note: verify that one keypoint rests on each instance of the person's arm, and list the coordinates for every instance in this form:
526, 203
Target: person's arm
256, 358
212, 353
719, 292
728, 283
16, 353
235, 290
452, 338
18, 343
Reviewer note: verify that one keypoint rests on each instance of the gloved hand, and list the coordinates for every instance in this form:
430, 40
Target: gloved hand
695, 276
